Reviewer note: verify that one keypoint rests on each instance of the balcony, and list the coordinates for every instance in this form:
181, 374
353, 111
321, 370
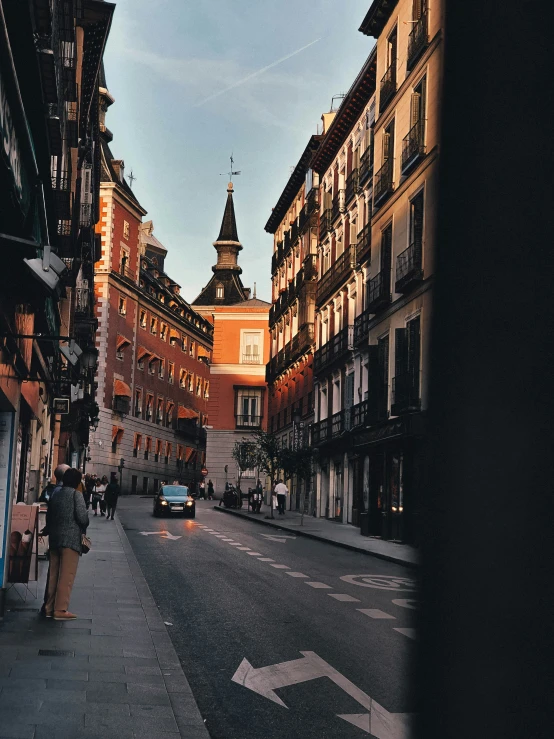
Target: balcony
312, 202
387, 87
352, 185
336, 275
321, 432
409, 271
383, 185
359, 414
338, 205
61, 183
417, 41
277, 257
287, 243
363, 247
310, 268
248, 422
379, 291
82, 300
303, 340
294, 232
121, 404
366, 166
361, 327
251, 359
405, 394
413, 146
334, 349
377, 409
325, 223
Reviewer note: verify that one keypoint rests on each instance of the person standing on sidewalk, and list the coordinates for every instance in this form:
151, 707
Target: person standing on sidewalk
66, 520
210, 490
111, 495
98, 495
281, 491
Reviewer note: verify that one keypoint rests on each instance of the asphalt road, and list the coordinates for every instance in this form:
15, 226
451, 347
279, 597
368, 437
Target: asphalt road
226, 604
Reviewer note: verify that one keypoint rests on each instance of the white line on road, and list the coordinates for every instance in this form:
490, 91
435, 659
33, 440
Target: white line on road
343, 597
296, 574
280, 567
244, 549
236, 544
317, 585
228, 540
254, 554
406, 603
375, 613
266, 559
410, 633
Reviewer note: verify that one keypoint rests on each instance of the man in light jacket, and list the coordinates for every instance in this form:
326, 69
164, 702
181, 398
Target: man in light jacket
281, 491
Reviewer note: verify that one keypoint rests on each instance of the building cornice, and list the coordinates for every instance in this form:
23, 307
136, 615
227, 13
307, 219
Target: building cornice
377, 17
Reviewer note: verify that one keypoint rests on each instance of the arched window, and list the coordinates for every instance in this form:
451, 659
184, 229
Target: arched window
219, 291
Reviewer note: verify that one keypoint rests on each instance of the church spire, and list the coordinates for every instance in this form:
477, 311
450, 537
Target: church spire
228, 231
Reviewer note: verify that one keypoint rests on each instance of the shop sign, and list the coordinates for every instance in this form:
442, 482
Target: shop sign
60, 405
6, 446
11, 153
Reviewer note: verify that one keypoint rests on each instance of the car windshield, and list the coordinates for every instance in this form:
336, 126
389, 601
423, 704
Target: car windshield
175, 490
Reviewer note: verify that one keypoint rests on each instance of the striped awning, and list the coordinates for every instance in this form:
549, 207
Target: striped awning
122, 389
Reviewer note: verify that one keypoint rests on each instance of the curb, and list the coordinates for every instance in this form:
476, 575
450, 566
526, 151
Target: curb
185, 709
317, 537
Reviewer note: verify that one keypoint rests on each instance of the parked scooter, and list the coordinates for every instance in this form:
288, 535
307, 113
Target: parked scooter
231, 497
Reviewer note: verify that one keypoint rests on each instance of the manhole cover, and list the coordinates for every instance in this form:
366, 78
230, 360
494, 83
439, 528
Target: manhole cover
55, 653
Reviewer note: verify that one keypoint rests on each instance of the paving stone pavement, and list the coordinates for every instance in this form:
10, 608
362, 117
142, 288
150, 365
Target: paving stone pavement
119, 676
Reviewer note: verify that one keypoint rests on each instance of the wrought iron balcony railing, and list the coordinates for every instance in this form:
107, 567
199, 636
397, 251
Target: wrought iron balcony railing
359, 414
383, 184
325, 223
377, 410
248, 421
417, 41
363, 247
312, 201
387, 86
336, 275
366, 165
338, 205
321, 432
352, 185
334, 349
413, 146
361, 327
294, 231
405, 393
408, 268
379, 291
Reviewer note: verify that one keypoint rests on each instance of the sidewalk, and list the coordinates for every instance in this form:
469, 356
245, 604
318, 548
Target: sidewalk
340, 534
112, 674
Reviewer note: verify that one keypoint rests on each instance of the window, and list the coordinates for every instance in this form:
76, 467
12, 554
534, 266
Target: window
153, 325
219, 291
171, 373
190, 382
405, 388
158, 450
249, 407
160, 411
138, 403
126, 229
170, 407
206, 389
167, 452
163, 331
182, 378
122, 306
137, 445
191, 349
183, 343
251, 347
149, 407
148, 447
124, 265
142, 319
416, 223
161, 368
199, 386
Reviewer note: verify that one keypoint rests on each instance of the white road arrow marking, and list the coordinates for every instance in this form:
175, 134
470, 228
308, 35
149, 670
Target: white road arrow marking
163, 534
279, 538
266, 680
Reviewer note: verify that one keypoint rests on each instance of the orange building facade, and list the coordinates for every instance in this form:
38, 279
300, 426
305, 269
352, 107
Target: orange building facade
238, 392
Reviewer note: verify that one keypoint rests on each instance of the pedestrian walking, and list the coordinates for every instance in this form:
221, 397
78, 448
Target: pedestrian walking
202, 493
210, 490
98, 495
66, 521
111, 496
89, 486
281, 491
53, 487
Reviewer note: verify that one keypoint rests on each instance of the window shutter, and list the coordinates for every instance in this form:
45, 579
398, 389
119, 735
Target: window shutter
386, 146
417, 221
415, 109
400, 351
349, 391
374, 380
414, 351
353, 233
386, 248
417, 9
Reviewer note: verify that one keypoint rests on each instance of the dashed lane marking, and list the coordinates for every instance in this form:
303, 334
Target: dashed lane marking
254, 554
406, 603
375, 613
343, 597
410, 633
318, 585
236, 544
280, 567
228, 540
266, 559
244, 549
296, 574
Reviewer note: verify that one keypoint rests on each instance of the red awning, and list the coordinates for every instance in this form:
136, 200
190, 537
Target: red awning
203, 352
122, 341
187, 412
117, 433
142, 352
154, 358
122, 389
189, 453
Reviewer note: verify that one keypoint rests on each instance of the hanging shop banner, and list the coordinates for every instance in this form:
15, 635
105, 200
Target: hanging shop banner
23, 537
6, 449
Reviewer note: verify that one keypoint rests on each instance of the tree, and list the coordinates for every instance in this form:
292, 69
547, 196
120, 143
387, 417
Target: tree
269, 457
298, 462
244, 454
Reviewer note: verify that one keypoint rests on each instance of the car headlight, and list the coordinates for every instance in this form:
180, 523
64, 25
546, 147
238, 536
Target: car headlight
189, 502
163, 501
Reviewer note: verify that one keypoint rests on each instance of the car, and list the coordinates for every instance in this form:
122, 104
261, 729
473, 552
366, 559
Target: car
172, 499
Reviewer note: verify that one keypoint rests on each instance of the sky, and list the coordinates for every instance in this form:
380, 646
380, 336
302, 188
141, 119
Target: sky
196, 81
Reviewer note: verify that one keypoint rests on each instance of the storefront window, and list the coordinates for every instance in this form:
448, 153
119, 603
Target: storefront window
365, 488
396, 486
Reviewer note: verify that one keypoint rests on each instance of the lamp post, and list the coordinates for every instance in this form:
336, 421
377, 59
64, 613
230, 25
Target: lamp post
120, 468
296, 444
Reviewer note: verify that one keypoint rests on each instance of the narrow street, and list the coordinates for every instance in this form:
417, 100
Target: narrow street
233, 590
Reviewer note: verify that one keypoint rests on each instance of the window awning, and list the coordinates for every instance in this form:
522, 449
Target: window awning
173, 335
202, 351
122, 341
117, 433
187, 412
154, 358
142, 352
189, 454
122, 389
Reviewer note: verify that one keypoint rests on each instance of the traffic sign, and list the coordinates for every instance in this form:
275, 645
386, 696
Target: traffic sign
204, 471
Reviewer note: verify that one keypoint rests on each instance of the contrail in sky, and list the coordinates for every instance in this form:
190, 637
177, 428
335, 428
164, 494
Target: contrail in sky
255, 74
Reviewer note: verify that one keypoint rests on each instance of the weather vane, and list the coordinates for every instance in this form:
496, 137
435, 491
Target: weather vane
231, 172
132, 178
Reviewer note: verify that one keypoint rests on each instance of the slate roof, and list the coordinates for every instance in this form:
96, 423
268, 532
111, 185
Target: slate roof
228, 230
108, 173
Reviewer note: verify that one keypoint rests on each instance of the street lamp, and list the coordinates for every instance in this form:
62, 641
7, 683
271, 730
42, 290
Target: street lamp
89, 358
120, 468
